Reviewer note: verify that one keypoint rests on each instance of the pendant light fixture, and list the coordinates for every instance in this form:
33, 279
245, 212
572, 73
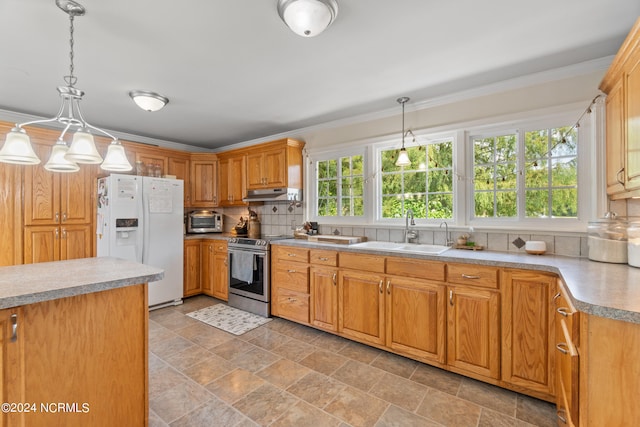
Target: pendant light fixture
308, 18
148, 101
403, 156
17, 147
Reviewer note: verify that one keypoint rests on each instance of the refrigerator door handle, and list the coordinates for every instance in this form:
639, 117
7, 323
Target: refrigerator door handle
144, 208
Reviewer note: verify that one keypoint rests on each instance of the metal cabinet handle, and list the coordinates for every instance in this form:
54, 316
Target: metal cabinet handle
64, 233
556, 296
324, 259
380, 285
57, 217
563, 347
466, 276
292, 299
451, 297
334, 279
226, 262
389, 287
210, 248
64, 217
57, 233
291, 255
560, 417
14, 327
563, 311
291, 271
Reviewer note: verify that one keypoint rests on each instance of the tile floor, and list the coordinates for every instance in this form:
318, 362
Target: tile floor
285, 374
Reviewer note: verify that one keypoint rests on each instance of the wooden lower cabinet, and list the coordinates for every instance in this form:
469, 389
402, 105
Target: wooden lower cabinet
192, 268
324, 298
473, 331
416, 318
290, 284
361, 306
207, 266
44, 243
89, 352
220, 288
528, 331
567, 360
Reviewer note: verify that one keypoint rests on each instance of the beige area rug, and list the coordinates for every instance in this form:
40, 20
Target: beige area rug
229, 319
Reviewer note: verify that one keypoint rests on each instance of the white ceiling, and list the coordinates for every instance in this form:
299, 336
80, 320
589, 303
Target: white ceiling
234, 72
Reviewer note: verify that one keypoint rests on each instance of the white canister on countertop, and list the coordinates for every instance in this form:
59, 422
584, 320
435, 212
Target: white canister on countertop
607, 240
633, 244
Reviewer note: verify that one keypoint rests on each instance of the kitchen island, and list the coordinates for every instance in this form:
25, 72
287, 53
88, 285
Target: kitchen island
75, 342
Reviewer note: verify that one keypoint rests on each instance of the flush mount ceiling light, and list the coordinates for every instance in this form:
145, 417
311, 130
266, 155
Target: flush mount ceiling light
308, 18
17, 146
148, 101
403, 156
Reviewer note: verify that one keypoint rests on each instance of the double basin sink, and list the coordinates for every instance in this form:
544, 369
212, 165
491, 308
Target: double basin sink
402, 247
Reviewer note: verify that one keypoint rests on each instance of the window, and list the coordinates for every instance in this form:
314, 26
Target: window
340, 187
548, 181
425, 187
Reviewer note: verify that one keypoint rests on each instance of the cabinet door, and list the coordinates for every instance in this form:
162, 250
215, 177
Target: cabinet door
416, 318
223, 182
255, 176
11, 364
567, 360
237, 181
10, 214
207, 266
274, 168
361, 306
75, 241
180, 168
615, 140
473, 330
528, 331
76, 195
154, 159
191, 282
632, 105
41, 243
220, 276
41, 192
324, 298
203, 183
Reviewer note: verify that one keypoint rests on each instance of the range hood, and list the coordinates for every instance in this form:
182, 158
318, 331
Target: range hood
274, 195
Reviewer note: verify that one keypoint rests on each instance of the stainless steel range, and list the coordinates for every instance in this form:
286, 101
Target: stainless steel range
249, 281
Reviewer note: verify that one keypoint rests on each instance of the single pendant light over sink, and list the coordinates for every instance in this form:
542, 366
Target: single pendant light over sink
17, 147
403, 156
308, 18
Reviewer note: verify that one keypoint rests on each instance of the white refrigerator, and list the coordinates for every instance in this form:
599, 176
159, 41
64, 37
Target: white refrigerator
142, 219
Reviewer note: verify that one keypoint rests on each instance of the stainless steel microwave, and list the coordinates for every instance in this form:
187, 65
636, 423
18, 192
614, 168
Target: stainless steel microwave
204, 221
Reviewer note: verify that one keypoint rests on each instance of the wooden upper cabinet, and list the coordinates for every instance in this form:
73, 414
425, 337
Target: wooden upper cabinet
10, 214
275, 165
179, 167
622, 86
151, 158
232, 181
615, 138
204, 181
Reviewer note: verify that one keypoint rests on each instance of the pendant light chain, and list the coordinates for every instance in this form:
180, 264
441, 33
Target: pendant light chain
71, 79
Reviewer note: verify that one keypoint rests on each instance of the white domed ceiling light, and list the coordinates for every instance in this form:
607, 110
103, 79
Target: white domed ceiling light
308, 18
148, 101
17, 146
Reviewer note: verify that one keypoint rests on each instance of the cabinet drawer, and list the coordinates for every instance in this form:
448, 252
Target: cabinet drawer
290, 254
220, 246
321, 257
291, 305
368, 263
423, 269
474, 275
565, 311
294, 276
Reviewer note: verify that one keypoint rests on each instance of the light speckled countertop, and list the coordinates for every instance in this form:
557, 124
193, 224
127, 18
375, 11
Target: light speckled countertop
198, 236
601, 289
31, 283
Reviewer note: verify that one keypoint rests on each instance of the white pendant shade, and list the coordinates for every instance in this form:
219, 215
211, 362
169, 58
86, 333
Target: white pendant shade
116, 159
148, 101
57, 162
83, 148
403, 158
308, 18
17, 149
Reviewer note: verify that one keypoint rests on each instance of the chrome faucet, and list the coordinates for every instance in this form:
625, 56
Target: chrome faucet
409, 234
447, 237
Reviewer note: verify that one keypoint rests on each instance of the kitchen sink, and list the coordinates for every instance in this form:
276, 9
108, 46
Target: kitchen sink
402, 247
